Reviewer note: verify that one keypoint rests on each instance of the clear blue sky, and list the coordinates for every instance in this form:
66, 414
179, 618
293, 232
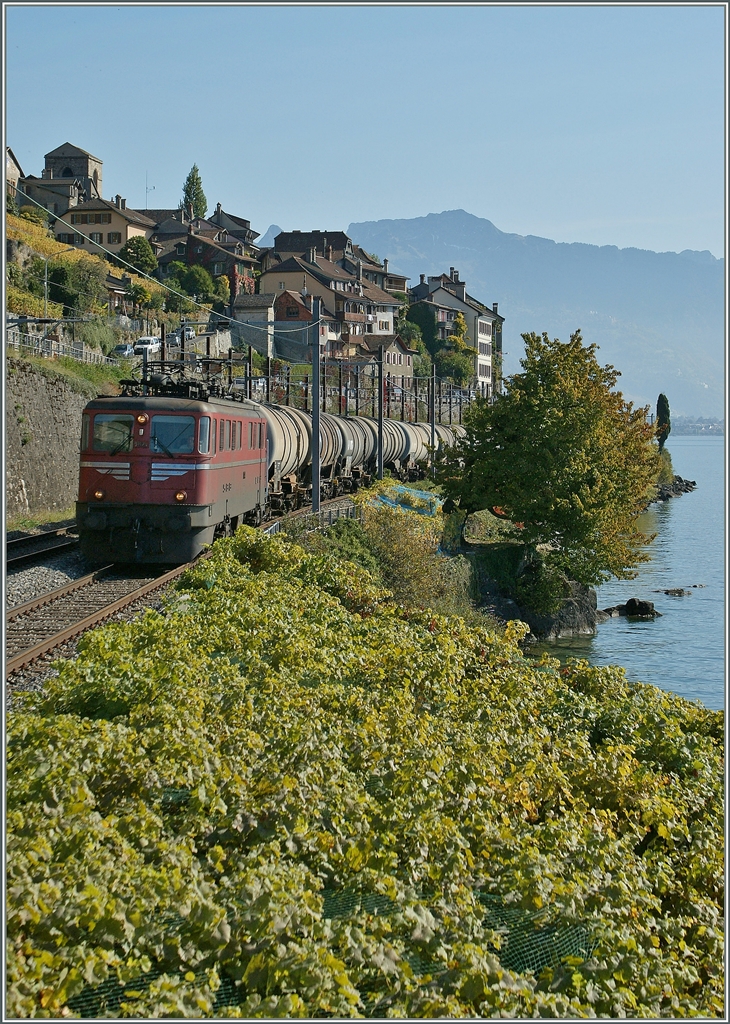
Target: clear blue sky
600, 124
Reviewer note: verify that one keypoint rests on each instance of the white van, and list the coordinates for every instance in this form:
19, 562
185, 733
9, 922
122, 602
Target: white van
149, 345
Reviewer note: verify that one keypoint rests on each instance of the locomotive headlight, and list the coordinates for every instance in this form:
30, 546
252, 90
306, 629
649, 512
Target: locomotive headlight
142, 417
99, 495
180, 496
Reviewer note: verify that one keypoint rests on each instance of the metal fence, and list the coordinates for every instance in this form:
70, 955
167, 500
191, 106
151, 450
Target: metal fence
313, 521
49, 348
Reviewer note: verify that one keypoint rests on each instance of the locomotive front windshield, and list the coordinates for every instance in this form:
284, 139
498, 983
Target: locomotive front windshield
173, 435
112, 433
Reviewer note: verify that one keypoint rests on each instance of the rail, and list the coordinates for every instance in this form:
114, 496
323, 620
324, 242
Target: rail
24, 549
42, 615
36, 620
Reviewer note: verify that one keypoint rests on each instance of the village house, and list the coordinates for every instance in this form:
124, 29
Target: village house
102, 222
336, 247
291, 308
13, 172
180, 237
446, 296
361, 307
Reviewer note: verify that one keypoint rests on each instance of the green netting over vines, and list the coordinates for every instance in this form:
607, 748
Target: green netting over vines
526, 946
285, 795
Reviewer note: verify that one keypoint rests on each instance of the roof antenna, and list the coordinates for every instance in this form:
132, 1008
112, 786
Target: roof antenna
147, 190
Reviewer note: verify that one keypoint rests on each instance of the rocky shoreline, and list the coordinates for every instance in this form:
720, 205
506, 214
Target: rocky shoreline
678, 486
579, 614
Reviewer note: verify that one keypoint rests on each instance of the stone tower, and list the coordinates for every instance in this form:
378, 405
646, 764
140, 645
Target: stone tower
71, 162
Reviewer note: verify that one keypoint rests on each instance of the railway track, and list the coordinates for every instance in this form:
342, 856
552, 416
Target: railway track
25, 549
37, 627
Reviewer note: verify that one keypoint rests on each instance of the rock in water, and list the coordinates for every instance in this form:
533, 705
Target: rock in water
634, 609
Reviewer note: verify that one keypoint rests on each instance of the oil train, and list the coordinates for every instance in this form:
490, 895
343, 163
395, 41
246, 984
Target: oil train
168, 466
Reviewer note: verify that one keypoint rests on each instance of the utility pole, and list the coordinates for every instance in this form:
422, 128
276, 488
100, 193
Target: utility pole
380, 413
315, 404
432, 413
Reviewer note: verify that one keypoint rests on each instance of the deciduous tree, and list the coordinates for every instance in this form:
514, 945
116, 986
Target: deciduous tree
421, 315
197, 281
139, 253
561, 453
454, 365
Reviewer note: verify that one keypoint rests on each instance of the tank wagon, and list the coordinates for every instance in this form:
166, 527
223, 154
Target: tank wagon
161, 475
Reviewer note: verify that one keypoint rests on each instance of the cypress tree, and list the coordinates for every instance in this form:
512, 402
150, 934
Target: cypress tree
663, 421
193, 193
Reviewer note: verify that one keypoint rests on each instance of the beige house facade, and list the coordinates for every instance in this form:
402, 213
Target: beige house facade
102, 222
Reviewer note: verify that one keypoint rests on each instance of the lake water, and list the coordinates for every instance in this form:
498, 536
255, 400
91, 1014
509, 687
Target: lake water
684, 650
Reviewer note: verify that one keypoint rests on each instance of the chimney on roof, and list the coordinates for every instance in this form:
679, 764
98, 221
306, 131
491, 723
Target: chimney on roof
451, 273
313, 255
124, 204
359, 270
494, 306
385, 265
329, 253
423, 278
118, 201
455, 276
218, 209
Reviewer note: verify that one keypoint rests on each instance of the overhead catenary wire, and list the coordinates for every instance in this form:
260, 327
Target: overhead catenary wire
167, 288
154, 280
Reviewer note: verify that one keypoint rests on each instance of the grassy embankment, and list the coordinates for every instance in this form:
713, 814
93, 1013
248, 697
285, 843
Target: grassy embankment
289, 795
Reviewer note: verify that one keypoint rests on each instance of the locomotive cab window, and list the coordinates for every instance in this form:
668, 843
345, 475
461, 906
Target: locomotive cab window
204, 435
112, 433
85, 432
172, 435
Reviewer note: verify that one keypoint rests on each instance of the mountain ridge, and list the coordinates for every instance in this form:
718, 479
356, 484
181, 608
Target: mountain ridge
658, 317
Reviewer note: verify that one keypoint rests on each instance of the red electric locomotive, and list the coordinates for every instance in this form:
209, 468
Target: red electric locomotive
159, 478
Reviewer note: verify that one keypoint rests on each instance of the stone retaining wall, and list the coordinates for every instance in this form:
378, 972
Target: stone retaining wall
42, 434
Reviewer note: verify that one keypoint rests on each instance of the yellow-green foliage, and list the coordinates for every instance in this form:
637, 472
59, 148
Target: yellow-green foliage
285, 797
39, 239
666, 470
22, 302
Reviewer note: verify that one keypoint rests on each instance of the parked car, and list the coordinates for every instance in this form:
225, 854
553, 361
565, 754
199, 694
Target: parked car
149, 345
189, 333
123, 351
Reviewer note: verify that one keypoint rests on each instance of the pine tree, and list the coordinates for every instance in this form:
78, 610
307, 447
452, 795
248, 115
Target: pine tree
193, 194
663, 420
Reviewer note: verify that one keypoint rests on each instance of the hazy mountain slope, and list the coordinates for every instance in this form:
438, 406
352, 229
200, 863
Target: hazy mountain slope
267, 240
658, 317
